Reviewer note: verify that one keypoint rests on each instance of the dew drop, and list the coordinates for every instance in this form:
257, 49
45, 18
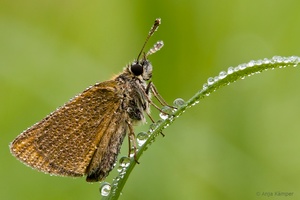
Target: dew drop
242, 66
222, 74
230, 70
295, 59
141, 138
119, 169
277, 59
159, 122
152, 127
216, 78
210, 81
251, 63
259, 62
266, 61
124, 161
205, 86
178, 102
166, 111
163, 115
105, 189
132, 152
286, 60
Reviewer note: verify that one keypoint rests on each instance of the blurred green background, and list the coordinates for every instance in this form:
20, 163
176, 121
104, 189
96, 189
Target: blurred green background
239, 142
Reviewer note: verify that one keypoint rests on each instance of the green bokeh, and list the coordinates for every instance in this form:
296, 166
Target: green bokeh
241, 140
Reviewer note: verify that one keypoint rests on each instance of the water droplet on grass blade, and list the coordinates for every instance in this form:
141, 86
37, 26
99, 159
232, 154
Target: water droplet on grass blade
266, 61
105, 189
166, 112
222, 74
242, 66
230, 70
210, 81
132, 152
152, 127
163, 115
216, 78
251, 63
141, 138
259, 62
119, 169
124, 161
178, 102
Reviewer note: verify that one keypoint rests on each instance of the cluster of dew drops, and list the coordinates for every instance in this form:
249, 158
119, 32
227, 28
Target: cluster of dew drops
293, 60
275, 62
141, 138
105, 188
167, 112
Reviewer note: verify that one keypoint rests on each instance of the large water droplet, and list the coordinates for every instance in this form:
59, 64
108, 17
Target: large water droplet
166, 112
178, 102
141, 138
105, 189
124, 161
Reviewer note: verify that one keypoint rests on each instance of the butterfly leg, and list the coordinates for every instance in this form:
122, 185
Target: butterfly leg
131, 138
156, 94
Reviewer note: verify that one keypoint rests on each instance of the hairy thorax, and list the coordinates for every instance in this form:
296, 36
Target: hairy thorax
134, 100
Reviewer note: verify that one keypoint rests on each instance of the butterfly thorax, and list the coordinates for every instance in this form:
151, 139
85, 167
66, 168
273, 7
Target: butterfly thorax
134, 95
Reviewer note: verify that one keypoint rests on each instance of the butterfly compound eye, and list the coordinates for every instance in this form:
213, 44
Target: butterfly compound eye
137, 69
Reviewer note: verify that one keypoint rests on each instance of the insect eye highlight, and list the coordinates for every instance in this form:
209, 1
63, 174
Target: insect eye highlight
137, 69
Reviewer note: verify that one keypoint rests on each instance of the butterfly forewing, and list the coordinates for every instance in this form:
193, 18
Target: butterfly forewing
52, 144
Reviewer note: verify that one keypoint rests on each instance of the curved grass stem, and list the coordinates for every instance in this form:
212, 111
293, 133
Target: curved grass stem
224, 78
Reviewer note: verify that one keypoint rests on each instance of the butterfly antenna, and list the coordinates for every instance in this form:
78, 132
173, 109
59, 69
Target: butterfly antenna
155, 26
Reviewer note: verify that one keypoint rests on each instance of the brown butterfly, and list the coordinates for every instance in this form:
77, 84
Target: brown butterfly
84, 136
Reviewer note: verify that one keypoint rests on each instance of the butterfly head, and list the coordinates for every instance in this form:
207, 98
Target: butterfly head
143, 67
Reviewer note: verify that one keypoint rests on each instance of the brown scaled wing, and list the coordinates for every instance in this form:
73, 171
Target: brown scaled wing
73, 140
